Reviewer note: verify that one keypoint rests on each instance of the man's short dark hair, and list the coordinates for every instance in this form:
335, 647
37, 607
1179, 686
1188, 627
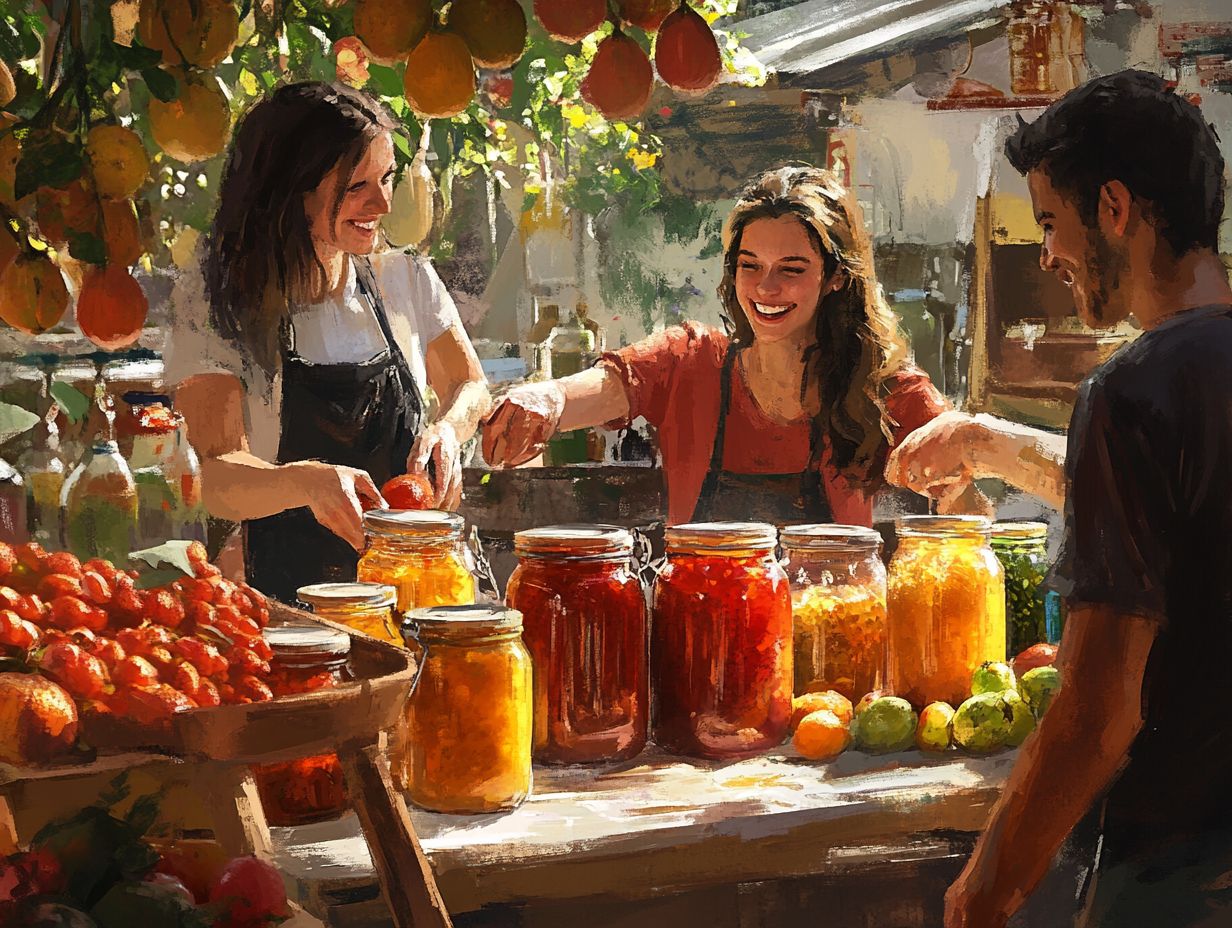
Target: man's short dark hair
1131, 127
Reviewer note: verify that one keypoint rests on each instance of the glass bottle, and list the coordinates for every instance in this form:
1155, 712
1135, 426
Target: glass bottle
365, 607
946, 607
537, 353
183, 472
584, 618
44, 472
572, 350
153, 442
99, 499
1022, 549
838, 602
467, 738
14, 525
721, 649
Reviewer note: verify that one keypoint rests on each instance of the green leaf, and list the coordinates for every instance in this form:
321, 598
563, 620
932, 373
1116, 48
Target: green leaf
46, 161
137, 57
172, 554
403, 145
74, 403
88, 247
385, 80
161, 84
14, 420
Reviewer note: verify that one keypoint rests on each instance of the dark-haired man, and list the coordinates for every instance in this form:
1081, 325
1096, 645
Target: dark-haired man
1127, 182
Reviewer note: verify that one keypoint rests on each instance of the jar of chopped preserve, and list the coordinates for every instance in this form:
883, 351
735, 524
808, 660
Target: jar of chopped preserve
467, 737
838, 603
309, 789
420, 554
1022, 549
365, 607
721, 649
584, 622
946, 607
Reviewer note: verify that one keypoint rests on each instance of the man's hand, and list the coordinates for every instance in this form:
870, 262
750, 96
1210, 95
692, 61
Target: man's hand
523, 420
934, 455
438, 443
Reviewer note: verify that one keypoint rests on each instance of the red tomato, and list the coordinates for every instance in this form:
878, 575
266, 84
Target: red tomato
245, 661
62, 562
70, 612
16, 632
197, 590
199, 613
251, 892
79, 672
31, 556
185, 677
109, 651
102, 567
133, 671
9, 598
33, 609
202, 655
54, 585
8, 560
96, 588
1038, 655
127, 606
410, 491
207, 693
154, 703
254, 689
163, 608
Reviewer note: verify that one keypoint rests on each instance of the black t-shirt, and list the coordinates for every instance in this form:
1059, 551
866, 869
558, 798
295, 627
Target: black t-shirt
1148, 530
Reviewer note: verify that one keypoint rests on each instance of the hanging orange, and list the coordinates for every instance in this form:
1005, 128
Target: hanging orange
111, 307
392, 28
118, 161
196, 32
440, 76
64, 210
570, 20
645, 14
33, 296
196, 125
620, 79
494, 30
686, 52
122, 232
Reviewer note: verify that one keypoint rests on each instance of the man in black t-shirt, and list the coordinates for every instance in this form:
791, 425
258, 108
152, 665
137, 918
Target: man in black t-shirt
1127, 181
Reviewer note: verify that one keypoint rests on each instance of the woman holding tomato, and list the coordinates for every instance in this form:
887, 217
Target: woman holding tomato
790, 418
301, 359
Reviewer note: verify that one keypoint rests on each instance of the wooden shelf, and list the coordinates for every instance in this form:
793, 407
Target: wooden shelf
991, 103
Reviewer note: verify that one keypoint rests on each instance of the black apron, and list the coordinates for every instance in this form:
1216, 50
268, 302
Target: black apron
364, 415
780, 499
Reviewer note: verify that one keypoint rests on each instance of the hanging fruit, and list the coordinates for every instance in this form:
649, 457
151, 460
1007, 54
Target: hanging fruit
196, 125
570, 20
686, 53
390, 29
118, 161
9, 247
620, 79
409, 221
440, 76
111, 307
8, 90
122, 233
63, 211
494, 30
197, 32
645, 14
33, 296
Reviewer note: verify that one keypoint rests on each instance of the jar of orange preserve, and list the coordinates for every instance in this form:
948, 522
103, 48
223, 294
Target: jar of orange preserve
421, 554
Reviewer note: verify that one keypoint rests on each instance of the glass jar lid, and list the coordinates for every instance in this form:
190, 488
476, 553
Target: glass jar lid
413, 523
344, 595
304, 645
1019, 531
721, 536
943, 526
573, 541
458, 622
831, 537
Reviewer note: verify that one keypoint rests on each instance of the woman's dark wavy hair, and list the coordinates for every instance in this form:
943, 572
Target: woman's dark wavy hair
857, 348
1131, 126
260, 259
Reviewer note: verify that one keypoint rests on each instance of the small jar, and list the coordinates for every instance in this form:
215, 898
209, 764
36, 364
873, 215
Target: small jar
309, 789
721, 677
838, 604
584, 618
1022, 549
468, 722
365, 607
421, 555
946, 607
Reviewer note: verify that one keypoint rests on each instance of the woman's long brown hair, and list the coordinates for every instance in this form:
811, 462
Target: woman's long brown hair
260, 259
857, 348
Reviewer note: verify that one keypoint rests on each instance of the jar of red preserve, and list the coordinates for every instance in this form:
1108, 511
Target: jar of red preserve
309, 789
721, 650
584, 621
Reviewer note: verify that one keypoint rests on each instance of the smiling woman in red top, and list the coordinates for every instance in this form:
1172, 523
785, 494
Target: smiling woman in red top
790, 418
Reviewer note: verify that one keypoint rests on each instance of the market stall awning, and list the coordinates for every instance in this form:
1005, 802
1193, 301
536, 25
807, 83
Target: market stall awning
820, 33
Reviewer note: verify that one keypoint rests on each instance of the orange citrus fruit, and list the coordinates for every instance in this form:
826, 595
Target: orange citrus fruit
111, 307
122, 232
196, 32
821, 736
118, 160
440, 76
62, 210
196, 125
33, 296
830, 700
494, 30
392, 28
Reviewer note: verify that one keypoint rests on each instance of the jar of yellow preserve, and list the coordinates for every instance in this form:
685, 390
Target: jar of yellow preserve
467, 737
946, 607
365, 607
421, 554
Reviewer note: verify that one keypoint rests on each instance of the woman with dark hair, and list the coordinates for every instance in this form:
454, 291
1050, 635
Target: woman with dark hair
301, 359
787, 420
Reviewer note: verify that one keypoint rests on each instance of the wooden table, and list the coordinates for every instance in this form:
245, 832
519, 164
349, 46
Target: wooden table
660, 827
